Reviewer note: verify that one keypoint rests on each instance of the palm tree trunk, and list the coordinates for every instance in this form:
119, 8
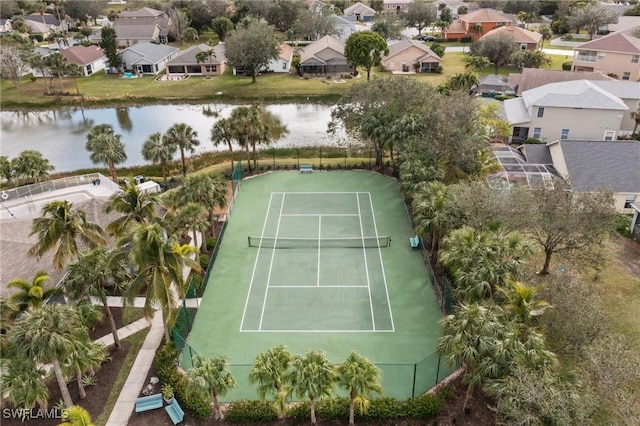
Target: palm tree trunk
112, 324
547, 262
184, 164
231, 153
211, 221
217, 413
81, 390
64, 390
467, 397
313, 411
112, 170
248, 155
255, 157
351, 411
164, 172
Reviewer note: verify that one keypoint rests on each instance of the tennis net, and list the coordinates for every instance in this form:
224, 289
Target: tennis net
344, 242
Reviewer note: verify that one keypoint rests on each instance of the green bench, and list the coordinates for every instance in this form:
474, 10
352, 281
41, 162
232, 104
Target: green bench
306, 168
414, 242
175, 412
151, 402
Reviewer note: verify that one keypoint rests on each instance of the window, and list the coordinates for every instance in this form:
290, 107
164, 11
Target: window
602, 55
284, 65
626, 75
635, 59
565, 134
523, 46
89, 69
628, 201
211, 68
540, 111
536, 132
609, 135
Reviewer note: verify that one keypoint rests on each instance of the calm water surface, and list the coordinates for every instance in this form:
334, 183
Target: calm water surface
61, 135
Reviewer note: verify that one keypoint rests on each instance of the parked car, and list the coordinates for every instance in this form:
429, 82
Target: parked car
426, 38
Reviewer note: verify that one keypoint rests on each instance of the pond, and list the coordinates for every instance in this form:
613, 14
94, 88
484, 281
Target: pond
60, 135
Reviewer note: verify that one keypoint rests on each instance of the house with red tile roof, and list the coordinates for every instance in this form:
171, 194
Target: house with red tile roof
91, 59
524, 39
476, 24
616, 54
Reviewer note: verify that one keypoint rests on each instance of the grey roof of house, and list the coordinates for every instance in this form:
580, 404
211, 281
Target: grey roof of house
83, 55
536, 154
601, 164
530, 78
47, 19
145, 31
360, 8
620, 88
189, 55
144, 12
151, 52
327, 42
515, 111
402, 45
494, 83
573, 94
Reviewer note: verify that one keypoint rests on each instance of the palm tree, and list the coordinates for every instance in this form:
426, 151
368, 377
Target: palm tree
522, 305
182, 136
470, 340
360, 377
48, 335
312, 376
247, 128
272, 130
376, 128
270, 370
59, 227
159, 267
208, 190
157, 151
205, 56
430, 213
31, 295
547, 34
105, 147
190, 218
31, 165
213, 376
635, 115
87, 357
91, 275
223, 132
135, 205
23, 383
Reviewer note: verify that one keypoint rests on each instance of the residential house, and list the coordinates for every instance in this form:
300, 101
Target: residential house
148, 58
491, 85
523, 38
396, 6
578, 110
411, 56
141, 25
344, 25
281, 64
186, 63
476, 24
530, 78
46, 19
614, 54
325, 57
361, 12
624, 23
90, 59
315, 6
452, 5
585, 166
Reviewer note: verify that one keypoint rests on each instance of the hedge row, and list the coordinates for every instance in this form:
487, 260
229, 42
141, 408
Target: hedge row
421, 408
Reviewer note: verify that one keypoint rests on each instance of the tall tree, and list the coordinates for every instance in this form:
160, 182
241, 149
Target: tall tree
189, 218
213, 376
312, 376
270, 371
206, 56
157, 151
110, 46
23, 382
32, 166
635, 116
360, 378
179, 22
245, 120
135, 206
591, 17
106, 147
530, 59
283, 14
365, 49
59, 227
389, 26
6, 169
497, 48
251, 48
420, 14
92, 275
208, 190
159, 264
430, 213
14, 61
183, 137
313, 24
31, 295
49, 335
221, 26
83, 10
57, 66
222, 131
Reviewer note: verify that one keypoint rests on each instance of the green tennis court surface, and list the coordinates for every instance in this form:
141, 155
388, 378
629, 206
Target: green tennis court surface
321, 261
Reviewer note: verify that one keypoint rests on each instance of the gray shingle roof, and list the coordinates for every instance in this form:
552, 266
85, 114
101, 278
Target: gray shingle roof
151, 52
359, 8
189, 55
325, 44
515, 111
403, 45
530, 78
621, 89
600, 164
536, 154
146, 31
573, 94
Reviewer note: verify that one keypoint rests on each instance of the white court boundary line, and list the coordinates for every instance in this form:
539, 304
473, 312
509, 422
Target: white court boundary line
366, 266
260, 330
255, 264
322, 286
319, 237
273, 255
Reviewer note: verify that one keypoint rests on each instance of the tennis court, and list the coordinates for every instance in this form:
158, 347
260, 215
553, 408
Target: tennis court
321, 261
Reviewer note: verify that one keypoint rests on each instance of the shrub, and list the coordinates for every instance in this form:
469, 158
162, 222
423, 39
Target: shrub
566, 66
532, 141
453, 40
204, 261
300, 412
439, 69
439, 40
623, 223
446, 393
384, 408
251, 411
210, 242
424, 407
465, 39
37, 37
333, 409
